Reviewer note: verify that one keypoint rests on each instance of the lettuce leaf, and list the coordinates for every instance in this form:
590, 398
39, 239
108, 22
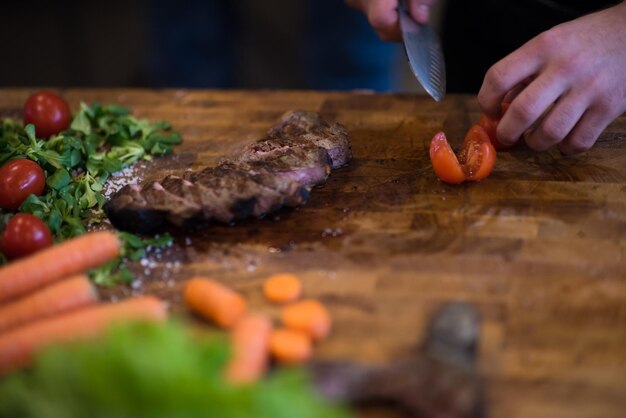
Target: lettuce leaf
157, 371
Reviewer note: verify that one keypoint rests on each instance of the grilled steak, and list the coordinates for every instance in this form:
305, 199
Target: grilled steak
300, 126
278, 170
307, 164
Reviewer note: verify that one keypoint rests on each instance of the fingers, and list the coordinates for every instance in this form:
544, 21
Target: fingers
420, 9
528, 106
565, 84
382, 15
586, 132
557, 123
504, 76
515, 91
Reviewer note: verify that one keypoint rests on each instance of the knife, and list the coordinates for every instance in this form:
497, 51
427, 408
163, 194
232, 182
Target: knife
423, 50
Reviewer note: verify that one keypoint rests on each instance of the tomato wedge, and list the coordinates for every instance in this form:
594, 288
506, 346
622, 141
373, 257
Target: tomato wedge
445, 163
490, 125
474, 162
477, 155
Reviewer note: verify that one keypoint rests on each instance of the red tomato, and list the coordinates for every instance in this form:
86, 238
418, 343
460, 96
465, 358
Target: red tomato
18, 179
474, 162
24, 234
49, 112
490, 126
477, 155
444, 161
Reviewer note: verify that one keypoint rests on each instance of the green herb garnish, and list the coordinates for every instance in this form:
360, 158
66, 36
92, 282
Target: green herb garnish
133, 248
101, 140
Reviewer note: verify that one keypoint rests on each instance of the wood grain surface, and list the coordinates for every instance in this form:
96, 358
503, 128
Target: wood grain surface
539, 247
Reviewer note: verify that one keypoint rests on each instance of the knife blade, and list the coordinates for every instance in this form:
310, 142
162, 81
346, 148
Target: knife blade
424, 52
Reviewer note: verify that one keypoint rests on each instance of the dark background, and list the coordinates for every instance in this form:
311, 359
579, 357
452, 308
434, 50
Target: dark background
67, 43
281, 44
129, 44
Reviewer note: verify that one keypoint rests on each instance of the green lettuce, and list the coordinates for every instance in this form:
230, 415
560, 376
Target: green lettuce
157, 371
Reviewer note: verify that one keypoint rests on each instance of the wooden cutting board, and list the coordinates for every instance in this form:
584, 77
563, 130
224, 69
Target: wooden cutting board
539, 247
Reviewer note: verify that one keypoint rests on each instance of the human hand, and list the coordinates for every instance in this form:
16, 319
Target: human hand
565, 86
383, 15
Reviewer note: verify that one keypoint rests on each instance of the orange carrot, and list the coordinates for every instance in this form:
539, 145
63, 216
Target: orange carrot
249, 349
18, 346
57, 298
290, 346
214, 301
308, 316
57, 262
282, 288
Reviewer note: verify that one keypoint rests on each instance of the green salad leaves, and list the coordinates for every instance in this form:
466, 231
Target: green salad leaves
156, 371
101, 140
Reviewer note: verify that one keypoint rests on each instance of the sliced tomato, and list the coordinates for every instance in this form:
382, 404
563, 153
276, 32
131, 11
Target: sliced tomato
490, 125
444, 161
474, 162
477, 156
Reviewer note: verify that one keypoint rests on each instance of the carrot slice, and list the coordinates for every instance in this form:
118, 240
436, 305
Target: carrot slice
249, 357
290, 346
18, 346
214, 301
308, 316
57, 262
57, 298
282, 288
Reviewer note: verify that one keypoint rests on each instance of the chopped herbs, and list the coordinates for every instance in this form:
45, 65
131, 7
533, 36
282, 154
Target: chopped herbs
134, 248
101, 140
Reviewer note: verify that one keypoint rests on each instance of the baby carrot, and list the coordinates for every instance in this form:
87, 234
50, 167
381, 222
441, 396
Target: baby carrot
308, 316
18, 346
290, 346
214, 301
282, 288
57, 298
249, 356
57, 262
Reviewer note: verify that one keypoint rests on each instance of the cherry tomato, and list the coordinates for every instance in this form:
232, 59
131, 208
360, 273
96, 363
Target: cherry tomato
24, 234
477, 155
474, 162
18, 179
49, 112
490, 126
445, 162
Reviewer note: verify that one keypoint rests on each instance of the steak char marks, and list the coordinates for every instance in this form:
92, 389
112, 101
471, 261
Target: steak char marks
278, 170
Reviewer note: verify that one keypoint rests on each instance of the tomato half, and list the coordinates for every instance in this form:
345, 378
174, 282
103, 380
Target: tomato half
490, 125
49, 112
477, 155
445, 163
24, 234
474, 162
18, 179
